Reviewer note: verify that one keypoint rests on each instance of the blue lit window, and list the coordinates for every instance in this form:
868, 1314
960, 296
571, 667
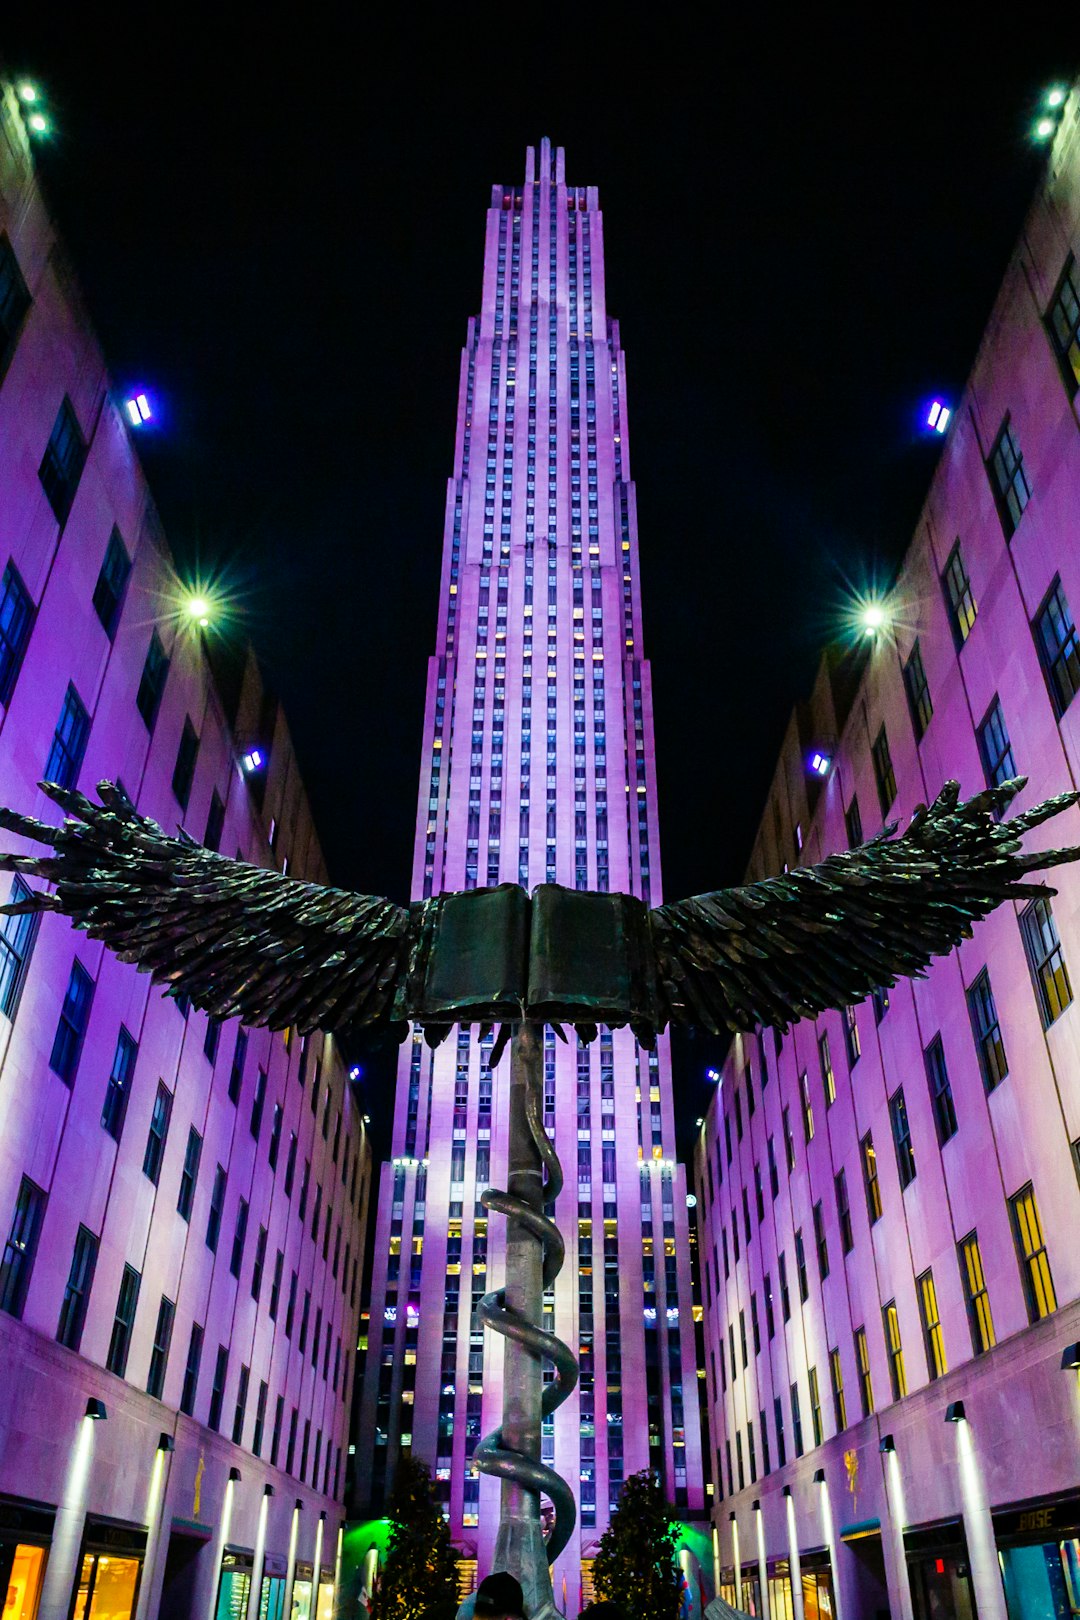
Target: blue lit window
995, 748
1062, 320
123, 1321
958, 597
111, 584
17, 936
21, 1247
71, 1028
16, 620
1059, 649
159, 1130
119, 1087
987, 1031
77, 1291
62, 464
69, 741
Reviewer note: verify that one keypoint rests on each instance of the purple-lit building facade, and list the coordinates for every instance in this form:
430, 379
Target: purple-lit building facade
181, 1204
537, 767
888, 1200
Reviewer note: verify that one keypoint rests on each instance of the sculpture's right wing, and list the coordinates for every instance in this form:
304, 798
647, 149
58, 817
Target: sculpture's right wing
240, 941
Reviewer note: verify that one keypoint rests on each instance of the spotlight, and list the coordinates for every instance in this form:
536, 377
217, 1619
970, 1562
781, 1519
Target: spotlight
1043, 129
367, 1119
166, 1442
819, 1476
712, 1074
38, 123
756, 1504
1070, 1356
138, 409
355, 1072
1055, 97
198, 608
954, 1412
819, 764
252, 760
27, 92
731, 1517
691, 1200
887, 1444
96, 1409
298, 1505
872, 618
938, 416
234, 1475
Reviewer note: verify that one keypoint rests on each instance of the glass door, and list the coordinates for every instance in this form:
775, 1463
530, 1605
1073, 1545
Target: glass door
22, 1568
107, 1587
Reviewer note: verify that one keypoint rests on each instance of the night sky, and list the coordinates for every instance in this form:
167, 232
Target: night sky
281, 237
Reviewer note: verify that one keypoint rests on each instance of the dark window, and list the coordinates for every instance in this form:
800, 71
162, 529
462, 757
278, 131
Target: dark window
62, 464
123, 1322
785, 1295
217, 1388
217, 1204
789, 1140
1062, 322
1046, 960
152, 681
16, 622
800, 1266
257, 1102
778, 1418
1059, 649
995, 749
1012, 490
71, 1029
901, 1130
236, 1259
958, 597
836, 1378
880, 997
828, 1076
159, 1130
275, 1439
290, 1165
69, 742
77, 1291
815, 1406
260, 1420
290, 1308
770, 1317
215, 822
918, 692
1031, 1253
807, 1107
241, 1404
189, 1175
260, 1262
159, 1355
796, 1421
211, 1039
941, 1096
17, 936
236, 1073
15, 300
883, 771
275, 1137
21, 1247
112, 583
870, 1178
853, 824
821, 1241
774, 1178
987, 1031
275, 1286
191, 1370
843, 1212
184, 770
119, 1086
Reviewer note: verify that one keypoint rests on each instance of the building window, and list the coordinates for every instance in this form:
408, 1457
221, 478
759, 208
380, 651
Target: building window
16, 622
941, 1096
17, 936
852, 1042
828, 1078
241, 1406
184, 770
257, 1102
815, 1406
1059, 648
883, 771
260, 1262
918, 692
800, 1266
1031, 1252
69, 742
958, 597
189, 1175
789, 1140
796, 1421
870, 1178
843, 1212
1062, 322
62, 464
836, 1376
191, 1370
260, 1420
987, 1031
821, 1241
1012, 490
807, 1107
215, 822
217, 1204
118, 1088
901, 1130
123, 1322
785, 1295
111, 584
71, 1028
853, 824
152, 681
933, 1338
159, 1355
880, 997
21, 1247
1046, 960
894, 1350
995, 749
236, 1259
77, 1291
236, 1072
976, 1297
217, 1388
159, 1130
14, 302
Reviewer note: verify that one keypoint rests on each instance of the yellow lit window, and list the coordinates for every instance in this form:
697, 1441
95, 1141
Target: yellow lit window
936, 1365
891, 1319
975, 1293
1031, 1247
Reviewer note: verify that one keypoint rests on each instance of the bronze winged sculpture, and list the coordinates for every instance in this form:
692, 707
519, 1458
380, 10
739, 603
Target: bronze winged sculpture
243, 942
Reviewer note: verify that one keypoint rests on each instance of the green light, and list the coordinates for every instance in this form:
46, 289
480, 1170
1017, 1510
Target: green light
1043, 129
873, 618
27, 92
198, 608
37, 123
1055, 97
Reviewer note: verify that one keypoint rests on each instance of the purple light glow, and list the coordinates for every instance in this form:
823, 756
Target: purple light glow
938, 416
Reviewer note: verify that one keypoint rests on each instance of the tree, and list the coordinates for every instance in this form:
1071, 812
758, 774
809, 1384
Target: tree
421, 1568
635, 1564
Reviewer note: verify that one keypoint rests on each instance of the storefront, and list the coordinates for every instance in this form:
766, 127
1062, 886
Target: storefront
234, 1584
302, 1593
939, 1571
1039, 1551
817, 1586
272, 1591
25, 1533
110, 1568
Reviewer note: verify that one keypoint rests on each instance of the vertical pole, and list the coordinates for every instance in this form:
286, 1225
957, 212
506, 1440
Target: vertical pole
519, 1546
762, 1562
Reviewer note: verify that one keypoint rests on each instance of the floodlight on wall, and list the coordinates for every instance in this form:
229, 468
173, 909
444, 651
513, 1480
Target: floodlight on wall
937, 417
268, 1490
756, 1504
355, 1072
887, 1445
954, 1412
252, 761
298, 1505
1070, 1356
819, 763
166, 1442
96, 1409
38, 123
713, 1075
731, 1516
234, 1475
787, 1490
28, 92
819, 1476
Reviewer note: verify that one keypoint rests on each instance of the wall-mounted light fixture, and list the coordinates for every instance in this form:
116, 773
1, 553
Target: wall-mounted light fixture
1070, 1356
96, 1409
887, 1444
234, 1475
954, 1412
819, 1476
166, 1442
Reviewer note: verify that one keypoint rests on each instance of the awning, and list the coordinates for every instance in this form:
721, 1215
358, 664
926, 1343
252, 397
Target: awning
719, 1610
861, 1528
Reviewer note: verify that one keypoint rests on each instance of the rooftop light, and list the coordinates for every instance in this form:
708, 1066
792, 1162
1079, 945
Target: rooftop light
38, 123
872, 618
355, 1072
712, 1074
253, 759
938, 416
198, 608
819, 764
138, 409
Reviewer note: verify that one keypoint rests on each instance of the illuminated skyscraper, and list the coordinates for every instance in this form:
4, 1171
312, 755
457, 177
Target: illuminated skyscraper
538, 766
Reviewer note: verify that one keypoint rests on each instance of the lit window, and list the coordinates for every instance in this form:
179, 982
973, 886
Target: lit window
987, 1031
14, 301
976, 1297
995, 749
1031, 1252
1062, 321
918, 694
1046, 960
958, 596
883, 771
111, 584
69, 741
1012, 491
62, 464
1059, 648
16, 621
894, 1349
901, 1130
934, 1339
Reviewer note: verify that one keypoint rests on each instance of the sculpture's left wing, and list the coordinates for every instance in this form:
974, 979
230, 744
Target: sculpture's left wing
240, 941
825, 936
